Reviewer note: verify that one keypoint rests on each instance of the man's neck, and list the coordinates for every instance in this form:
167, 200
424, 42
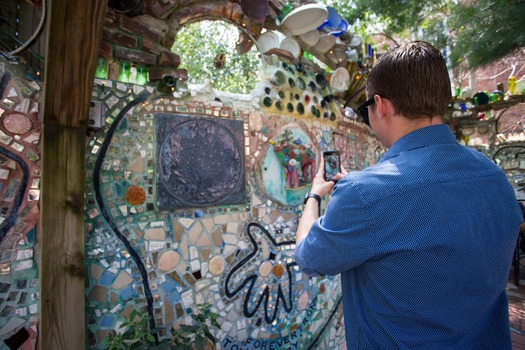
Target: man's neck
402, 126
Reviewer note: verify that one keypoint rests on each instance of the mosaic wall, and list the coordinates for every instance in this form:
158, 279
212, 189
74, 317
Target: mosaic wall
20, 132
234, 253
195, 198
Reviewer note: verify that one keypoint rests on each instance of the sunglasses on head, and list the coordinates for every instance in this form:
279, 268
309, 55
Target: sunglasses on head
363, 110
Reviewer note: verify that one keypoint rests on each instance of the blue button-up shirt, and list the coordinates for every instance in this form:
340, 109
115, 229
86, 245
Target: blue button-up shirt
423, 241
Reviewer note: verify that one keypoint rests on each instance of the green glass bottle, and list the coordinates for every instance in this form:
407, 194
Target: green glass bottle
142, 75
101, 70
124, 71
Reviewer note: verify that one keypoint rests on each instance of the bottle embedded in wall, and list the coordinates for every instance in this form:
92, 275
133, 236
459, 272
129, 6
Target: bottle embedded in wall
124, 71
512, 84
142, 75
133, 73
101, 70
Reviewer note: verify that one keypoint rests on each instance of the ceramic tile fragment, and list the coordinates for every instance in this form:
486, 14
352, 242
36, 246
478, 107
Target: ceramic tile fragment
24, 265
23, 106
18, 147
156, 245
168, 261
99, 293
204, 241
230, 239
186, 222
12, 92
195, 232
195, 265
217, 237
265, 268
216, 265
4, 174
5, 139
222, 219
232, 227
157, 234
169, 315
123, 279
137, 165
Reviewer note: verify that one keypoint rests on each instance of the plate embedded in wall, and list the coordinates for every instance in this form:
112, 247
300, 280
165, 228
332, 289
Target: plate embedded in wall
326, 42
340, 80
17, 124
267, 41
305, 18
356, 41
311, 38
292, 46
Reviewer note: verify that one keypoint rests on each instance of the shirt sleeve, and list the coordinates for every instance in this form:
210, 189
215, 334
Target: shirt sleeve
339, 240
522, 207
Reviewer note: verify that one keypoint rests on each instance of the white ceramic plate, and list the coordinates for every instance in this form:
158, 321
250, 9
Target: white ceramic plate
305, 18
311, 38
291, 45
356, 41
326, 42
267, 41
340, 79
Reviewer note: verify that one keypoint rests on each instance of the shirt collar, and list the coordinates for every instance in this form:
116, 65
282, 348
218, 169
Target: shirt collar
429, 135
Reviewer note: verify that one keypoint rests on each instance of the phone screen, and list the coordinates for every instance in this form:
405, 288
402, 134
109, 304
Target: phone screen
332, 164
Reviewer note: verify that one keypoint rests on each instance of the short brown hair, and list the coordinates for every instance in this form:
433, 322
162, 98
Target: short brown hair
414, 77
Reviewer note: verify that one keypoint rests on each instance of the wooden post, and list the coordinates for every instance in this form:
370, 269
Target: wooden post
74, 34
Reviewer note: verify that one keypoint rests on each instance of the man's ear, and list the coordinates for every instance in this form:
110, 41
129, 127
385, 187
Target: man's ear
380, 105
384, 106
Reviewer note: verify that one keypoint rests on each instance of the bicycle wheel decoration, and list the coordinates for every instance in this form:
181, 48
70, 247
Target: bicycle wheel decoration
21, 23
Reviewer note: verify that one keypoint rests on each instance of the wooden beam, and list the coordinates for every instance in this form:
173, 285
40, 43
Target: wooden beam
74, 34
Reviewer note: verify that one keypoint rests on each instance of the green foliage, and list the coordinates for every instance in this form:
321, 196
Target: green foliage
198, 333
138, 335
477, 32
199, 43
488, 30
396, 16
394, 19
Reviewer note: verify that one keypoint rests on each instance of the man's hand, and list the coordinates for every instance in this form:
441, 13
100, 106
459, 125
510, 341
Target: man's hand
321, 188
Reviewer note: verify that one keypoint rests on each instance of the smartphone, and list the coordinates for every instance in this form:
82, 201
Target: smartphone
332, 164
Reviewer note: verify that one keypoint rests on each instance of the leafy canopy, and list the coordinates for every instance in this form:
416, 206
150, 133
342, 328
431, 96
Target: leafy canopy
476, 31
488, 29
